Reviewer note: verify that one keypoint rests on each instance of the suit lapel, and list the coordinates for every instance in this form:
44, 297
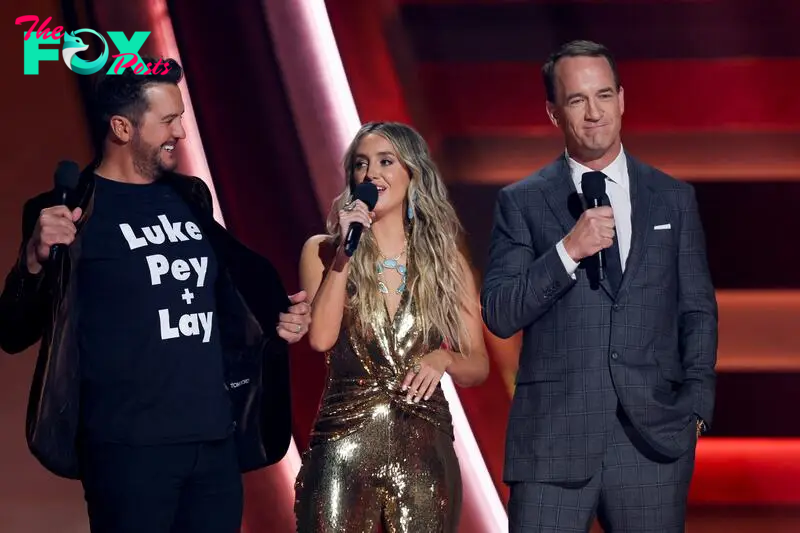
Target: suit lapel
641, 205
558, 193
563, 199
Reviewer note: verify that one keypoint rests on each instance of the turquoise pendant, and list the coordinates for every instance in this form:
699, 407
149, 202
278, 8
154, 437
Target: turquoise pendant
395, 265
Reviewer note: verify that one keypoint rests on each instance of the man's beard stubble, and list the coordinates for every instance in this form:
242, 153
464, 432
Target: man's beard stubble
147, 159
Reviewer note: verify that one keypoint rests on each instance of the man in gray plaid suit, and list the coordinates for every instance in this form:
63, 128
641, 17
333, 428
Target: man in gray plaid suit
616, 376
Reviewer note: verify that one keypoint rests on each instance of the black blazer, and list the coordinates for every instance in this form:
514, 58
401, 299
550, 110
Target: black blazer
658, 334
249, 297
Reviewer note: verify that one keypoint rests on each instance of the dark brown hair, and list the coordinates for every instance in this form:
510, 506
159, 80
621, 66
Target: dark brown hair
574, 49
124, 93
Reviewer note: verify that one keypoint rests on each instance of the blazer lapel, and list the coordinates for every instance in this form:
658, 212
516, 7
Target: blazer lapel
641, 205
566, 204
559, 192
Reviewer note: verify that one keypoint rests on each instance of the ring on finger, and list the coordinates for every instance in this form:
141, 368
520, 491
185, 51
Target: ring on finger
416, 368
349, 207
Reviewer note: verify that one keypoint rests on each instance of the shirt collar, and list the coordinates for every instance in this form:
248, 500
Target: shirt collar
617, 170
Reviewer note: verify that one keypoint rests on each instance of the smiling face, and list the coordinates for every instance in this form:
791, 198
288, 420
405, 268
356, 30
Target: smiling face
159, 130
377, 160
588, 108
151, 137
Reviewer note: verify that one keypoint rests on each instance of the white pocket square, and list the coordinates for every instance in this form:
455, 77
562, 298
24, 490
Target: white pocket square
662, 226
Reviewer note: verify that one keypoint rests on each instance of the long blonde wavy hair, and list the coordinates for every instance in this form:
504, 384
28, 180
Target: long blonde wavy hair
435, 276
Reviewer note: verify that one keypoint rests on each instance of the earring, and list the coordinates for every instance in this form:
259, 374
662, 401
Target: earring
411, 206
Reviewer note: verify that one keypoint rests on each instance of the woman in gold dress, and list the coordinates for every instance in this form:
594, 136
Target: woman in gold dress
392, 319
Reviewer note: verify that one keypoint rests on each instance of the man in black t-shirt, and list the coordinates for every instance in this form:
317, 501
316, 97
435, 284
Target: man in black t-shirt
160, 333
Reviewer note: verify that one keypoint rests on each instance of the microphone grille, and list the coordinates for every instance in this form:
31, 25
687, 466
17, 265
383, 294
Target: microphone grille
593, 185
367, 192
67, 175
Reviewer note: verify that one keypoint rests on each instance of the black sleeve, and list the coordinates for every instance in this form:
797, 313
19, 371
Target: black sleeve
25, 299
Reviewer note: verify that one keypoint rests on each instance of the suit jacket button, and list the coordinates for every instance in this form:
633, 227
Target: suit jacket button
614, 355
616, 307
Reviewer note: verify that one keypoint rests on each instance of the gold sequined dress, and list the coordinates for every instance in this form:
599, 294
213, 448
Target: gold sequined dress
373, 457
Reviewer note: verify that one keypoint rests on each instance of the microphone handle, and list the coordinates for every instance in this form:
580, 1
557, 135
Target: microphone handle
353, 236
601, 255
57, 250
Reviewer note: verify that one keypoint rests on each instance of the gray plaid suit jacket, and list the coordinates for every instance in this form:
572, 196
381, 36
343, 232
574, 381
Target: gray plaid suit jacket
658, 334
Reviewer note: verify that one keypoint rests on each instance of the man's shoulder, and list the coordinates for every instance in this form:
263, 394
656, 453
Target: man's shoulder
193, 181
656, 178
193, 187
34, 205
47, 198
536, 181
676, 193
40, 201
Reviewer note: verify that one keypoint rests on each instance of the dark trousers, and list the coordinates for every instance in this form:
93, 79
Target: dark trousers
635, 491
177, 488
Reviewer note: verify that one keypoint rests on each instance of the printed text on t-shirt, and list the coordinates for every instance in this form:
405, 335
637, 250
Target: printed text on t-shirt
189, 324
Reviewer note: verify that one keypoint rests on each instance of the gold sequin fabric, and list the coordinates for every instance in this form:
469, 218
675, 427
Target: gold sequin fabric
373, 457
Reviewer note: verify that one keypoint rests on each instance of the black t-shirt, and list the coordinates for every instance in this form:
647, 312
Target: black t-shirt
151, 358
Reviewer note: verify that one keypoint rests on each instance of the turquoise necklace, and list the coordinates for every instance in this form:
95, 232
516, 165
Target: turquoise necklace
394, 264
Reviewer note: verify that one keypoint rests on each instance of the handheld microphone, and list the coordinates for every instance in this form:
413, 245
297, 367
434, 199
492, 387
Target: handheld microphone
593, 186
66, 180
367, 192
